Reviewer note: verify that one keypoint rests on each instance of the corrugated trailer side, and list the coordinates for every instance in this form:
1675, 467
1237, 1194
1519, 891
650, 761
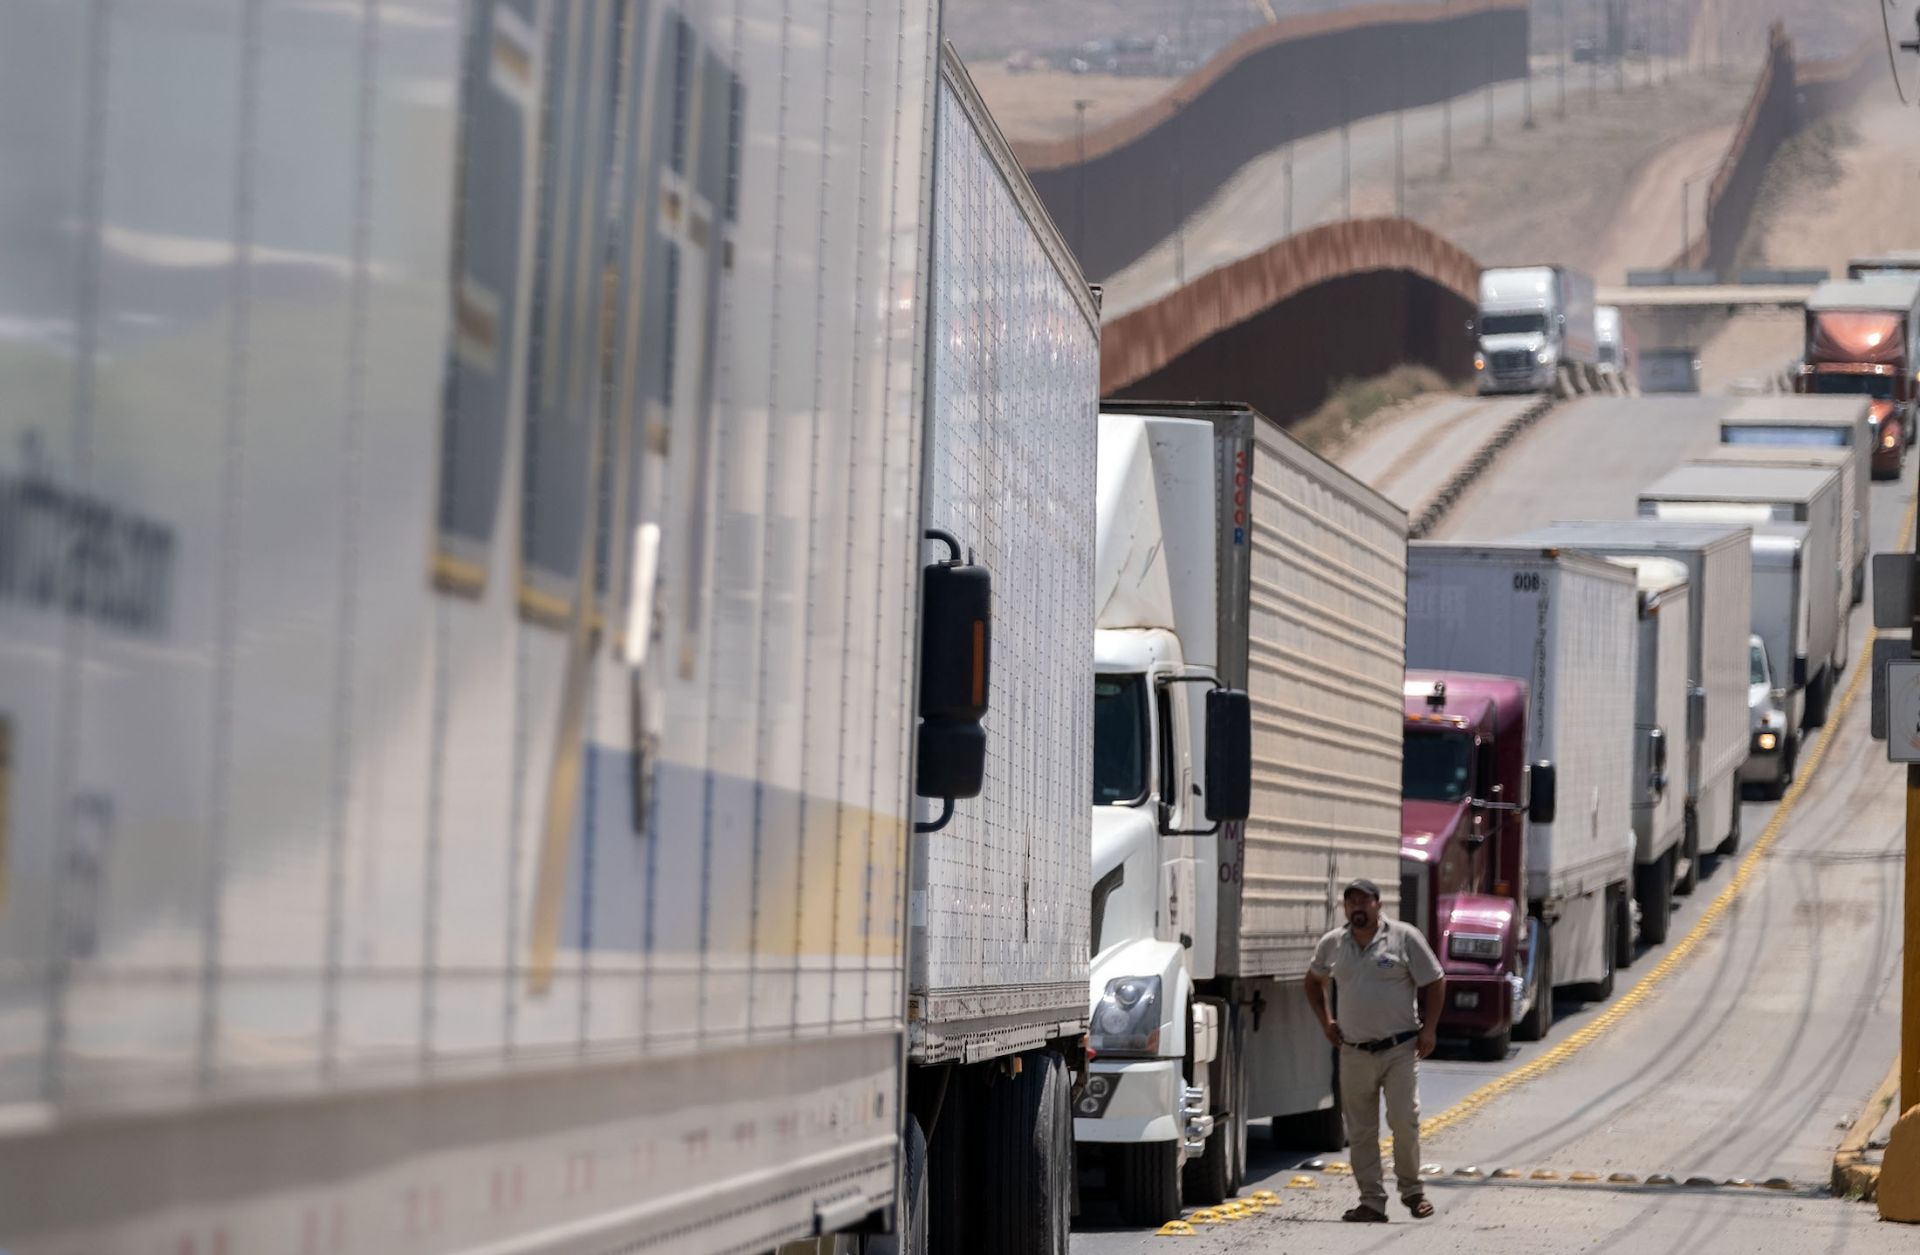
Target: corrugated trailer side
1002, 902
1725, 591
1313, 584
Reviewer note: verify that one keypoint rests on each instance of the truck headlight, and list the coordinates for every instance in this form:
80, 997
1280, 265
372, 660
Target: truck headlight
1889, 439
1480, 947
1544, 357
1479, 362
1127, 1020
1766, 740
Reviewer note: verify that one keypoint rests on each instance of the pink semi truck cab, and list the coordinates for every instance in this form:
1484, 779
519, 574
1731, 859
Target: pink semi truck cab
1466, 793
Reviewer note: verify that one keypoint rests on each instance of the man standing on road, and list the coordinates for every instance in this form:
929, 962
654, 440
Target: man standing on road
1377, 965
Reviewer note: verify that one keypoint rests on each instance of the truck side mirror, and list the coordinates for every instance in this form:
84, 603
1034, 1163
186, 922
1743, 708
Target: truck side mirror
1229, 754
1696, 713
956, 615
1657, 760
1544, 798
1799, 673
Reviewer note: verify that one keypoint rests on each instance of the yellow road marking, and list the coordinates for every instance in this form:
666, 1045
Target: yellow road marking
1678, 953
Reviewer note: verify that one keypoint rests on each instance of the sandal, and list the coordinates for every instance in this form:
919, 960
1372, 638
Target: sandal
1364, 1214
1420, 1207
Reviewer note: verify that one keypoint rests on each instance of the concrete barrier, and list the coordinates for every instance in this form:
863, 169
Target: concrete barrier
1133, 180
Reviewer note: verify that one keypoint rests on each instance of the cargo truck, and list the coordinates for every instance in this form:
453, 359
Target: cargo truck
1705, 491
1862, 337
1467, 795
1661, 695
1718, 561
1817, 423
1619, 354
1535, 327
461, 795
1565, 623
1231, 558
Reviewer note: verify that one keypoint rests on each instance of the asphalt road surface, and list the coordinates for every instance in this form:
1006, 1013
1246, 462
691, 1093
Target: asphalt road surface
1745, 1059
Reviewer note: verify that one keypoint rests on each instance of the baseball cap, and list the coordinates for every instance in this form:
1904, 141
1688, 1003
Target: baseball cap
1362, 885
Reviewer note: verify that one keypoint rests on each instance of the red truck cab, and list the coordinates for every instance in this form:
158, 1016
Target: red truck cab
1463, 845
1861, 338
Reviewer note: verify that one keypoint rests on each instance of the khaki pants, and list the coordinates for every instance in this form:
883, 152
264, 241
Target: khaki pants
1363, 1079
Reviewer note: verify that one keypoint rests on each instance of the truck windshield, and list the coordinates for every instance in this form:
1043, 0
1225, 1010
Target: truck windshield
1437, 767
1801, 437
1880, 386
1119, 739
1513, 324
1757, 665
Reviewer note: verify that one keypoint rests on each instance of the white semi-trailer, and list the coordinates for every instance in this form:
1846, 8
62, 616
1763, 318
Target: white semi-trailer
1718, 562
1566, 623
469, 648
1229, 558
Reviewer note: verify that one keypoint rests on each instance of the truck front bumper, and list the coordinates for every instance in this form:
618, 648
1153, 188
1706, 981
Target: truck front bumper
1478, 1003
1130, 1100
1763, 766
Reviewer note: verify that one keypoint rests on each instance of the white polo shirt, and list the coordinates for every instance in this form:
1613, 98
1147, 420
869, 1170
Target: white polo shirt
1377, 983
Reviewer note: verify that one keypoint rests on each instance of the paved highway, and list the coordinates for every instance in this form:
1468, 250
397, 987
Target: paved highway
1413, 457
1741, 1059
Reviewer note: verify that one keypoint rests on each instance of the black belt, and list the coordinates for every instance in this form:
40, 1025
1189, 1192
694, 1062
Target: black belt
1385, 1043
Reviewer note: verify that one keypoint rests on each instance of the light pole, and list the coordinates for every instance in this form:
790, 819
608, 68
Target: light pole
1080, 191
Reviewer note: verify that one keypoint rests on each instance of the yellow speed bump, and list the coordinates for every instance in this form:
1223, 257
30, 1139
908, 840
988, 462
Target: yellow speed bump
1661, 1178
1265, 1196
1623, 1178
1338, 1168
1175, 1229
1740, 1183
1506, 1174
1431, 1170
1301, 1183
1469, 1171
1545, 1174
1206, 1215
1701, 1183
1776, 1183
1583, 1176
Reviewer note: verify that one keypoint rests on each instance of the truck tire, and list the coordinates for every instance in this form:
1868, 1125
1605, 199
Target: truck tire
1539, 1018
1023, 1195
1150, 1185
1494, 1047
1653, 889
909, 1236
1818, 693
1624, 940
950, 1156
1689, 880
1215, 1176
1730, 844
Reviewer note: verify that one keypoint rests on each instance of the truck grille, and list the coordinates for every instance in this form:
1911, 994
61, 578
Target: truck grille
1511, 362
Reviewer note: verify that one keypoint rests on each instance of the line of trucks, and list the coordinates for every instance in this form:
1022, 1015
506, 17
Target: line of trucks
544, 666
1538, 329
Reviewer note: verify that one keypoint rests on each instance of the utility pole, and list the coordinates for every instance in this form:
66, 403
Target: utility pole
1287, 169
1179, 207
1080, 188
1560, 72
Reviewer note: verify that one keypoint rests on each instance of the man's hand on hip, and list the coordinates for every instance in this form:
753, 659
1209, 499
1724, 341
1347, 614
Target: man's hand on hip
1428, 1039
1332, 1031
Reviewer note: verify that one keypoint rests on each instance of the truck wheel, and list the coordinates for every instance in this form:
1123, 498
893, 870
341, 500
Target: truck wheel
1539, 1020
1689, 850
1024, 1180
1150, 1187
1818, 693
1730, 844
1653, 889
950, 1173
1215, 1177
909, 1236
1623, 938
1493, 1047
